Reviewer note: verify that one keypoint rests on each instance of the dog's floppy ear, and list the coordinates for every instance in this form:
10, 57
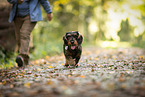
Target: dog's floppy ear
80, 39
65, 39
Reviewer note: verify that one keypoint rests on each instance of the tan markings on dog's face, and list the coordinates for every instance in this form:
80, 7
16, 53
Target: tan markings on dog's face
72, 39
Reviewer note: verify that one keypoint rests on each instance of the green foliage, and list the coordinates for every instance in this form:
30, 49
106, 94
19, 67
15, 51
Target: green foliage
7, 60
125, 32
141, 44
48, 48
99, 19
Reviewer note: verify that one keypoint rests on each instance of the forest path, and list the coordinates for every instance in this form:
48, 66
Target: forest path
101, 73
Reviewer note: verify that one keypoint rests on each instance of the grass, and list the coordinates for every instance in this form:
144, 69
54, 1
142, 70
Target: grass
48, 48
141, 44
7, 63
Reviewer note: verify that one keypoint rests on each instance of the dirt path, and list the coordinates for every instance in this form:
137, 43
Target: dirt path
101, 73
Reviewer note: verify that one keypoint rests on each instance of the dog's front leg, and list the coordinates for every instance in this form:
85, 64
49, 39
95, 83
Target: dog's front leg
78, 57
70, 61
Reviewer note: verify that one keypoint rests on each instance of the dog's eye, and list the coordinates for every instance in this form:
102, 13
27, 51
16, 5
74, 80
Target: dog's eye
68, 36
75, 36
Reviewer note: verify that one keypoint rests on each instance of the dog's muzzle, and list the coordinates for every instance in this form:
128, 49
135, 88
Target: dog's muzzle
72, 41
72, 46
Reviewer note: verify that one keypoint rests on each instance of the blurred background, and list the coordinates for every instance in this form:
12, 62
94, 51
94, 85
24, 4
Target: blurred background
104, 23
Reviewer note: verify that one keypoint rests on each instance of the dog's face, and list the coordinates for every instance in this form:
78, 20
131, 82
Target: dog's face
72, 39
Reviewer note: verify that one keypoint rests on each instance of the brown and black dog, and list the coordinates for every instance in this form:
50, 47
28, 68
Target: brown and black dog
72, 48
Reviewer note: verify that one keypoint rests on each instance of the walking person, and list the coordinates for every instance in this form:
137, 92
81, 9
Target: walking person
25, 14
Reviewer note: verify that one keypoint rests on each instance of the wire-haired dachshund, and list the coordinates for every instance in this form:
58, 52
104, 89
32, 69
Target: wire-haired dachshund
72, 48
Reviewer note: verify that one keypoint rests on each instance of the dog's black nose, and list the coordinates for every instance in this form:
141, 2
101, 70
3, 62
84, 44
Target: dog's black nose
72, 41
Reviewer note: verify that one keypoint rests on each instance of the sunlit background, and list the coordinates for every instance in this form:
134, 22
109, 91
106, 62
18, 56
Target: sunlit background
107, 23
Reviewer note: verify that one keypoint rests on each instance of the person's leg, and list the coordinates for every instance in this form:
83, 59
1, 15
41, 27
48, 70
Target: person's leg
17, 24
25, 32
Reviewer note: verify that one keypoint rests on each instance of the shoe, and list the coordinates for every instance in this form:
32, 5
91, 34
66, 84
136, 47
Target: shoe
25, 58
19, 61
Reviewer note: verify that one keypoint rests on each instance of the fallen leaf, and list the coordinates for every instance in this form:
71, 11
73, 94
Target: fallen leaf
37, 62
35, 75
50, 67
129, 72
96, 59
29, 72
82, 76
92, 70
69, 75
27, 85
49, 82
141, 57
47, 57
62, 64
4, 82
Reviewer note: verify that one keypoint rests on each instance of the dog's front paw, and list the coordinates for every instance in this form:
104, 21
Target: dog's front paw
70, 62
66, 65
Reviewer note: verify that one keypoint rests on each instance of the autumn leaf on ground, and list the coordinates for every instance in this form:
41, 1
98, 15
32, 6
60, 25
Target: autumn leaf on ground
82, 76
47, 57
50, 67
141, 57
62, 64
27, 85
49, 82
69, 75
4, 82
92, 70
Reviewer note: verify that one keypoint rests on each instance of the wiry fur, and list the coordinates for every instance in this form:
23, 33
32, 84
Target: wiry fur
72, 47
